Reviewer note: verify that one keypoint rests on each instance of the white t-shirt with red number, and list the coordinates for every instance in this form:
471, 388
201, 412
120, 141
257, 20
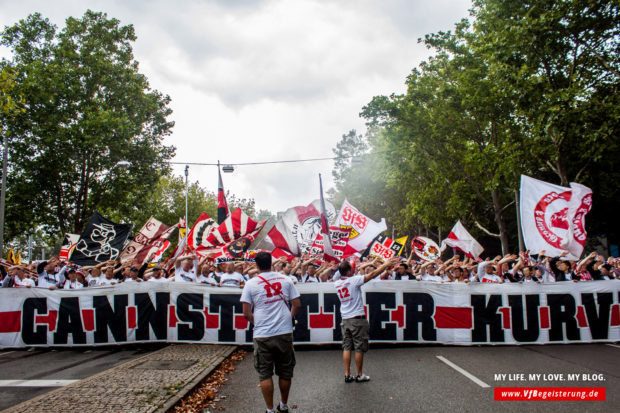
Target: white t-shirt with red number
350, 295
272, 316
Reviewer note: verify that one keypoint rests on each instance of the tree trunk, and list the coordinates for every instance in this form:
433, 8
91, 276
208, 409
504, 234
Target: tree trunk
497, 209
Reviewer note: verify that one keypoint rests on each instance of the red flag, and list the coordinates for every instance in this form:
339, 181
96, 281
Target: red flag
201, 230
222, 205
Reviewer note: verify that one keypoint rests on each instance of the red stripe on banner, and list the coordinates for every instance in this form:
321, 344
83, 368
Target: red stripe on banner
505, 316
453, 317
398, 316
10, 322
240, 322
322, 320
582, 321
212, 320
132, 317
49, 319
172, 316
88, 318
615, 315
366, 312
544, 317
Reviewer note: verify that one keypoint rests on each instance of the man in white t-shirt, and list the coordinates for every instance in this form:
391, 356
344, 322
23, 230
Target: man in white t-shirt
268, 293
21, 279
486, 273
72, 282
231, 278
47, 277
354, 324
157, 275
185, 269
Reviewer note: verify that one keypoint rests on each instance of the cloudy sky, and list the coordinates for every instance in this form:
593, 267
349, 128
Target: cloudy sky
266, 80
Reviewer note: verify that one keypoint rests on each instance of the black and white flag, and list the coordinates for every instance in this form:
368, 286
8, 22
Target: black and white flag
102, 240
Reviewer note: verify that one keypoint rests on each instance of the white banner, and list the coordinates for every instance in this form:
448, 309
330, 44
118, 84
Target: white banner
553, 217
398, 311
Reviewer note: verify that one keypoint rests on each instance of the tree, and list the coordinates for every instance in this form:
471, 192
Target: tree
87, 108
559, 61
530, 87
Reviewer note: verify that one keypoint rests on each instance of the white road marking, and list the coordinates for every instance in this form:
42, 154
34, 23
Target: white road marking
463, 372
614, 345
35, 383
6, 352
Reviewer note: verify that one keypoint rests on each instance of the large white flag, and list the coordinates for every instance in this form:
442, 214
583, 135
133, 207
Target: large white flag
461, 239
553, 217
364, 230
297, 229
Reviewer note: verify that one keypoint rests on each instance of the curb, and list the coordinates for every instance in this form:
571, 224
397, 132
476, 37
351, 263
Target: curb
189, 387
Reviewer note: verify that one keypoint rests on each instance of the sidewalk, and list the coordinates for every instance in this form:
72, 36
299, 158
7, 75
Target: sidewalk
146, 384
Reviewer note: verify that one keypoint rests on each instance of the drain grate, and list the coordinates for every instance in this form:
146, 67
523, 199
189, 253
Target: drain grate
166, 364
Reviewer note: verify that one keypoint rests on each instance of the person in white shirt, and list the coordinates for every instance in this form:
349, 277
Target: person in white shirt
133, 275
157, 275
354, 324
72, 282
486, 271
107, 278
185, 269
268, 294
231, 278
48, 277
21, 279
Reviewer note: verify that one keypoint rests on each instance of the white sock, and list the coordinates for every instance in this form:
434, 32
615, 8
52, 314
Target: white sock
283, 406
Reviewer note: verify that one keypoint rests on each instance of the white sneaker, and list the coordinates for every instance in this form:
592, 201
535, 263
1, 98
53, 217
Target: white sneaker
362, 378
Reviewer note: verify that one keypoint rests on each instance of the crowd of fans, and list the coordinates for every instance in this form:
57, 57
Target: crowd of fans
522, 268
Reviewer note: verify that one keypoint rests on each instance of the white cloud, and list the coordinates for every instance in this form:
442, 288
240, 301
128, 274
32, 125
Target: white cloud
267, 80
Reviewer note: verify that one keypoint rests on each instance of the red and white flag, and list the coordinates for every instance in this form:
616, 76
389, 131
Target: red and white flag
297, 229
461, 239
202, 229
149, 239
233, 249
68, 245
339, 239
364, 230
237, 225
160, 252
553, 217
222, 206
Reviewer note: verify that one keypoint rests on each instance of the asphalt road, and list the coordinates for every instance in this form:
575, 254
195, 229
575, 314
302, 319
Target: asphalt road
415, 379
26, 374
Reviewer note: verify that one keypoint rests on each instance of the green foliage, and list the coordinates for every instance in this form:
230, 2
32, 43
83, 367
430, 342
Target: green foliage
531, 87
87, 108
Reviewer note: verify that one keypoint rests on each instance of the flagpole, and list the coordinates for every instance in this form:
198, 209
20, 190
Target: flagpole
186, 194
519, 233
